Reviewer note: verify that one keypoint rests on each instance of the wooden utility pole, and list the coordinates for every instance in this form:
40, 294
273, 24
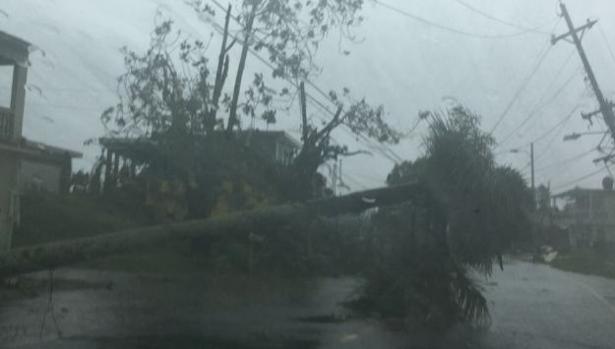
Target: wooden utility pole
606, 107
532, 165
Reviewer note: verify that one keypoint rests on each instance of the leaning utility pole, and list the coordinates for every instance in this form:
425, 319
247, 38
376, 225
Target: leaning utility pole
606, 107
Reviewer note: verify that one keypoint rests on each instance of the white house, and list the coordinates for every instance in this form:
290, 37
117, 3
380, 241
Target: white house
23, 163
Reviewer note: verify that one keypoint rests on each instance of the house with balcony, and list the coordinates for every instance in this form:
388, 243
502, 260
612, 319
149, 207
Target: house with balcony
23, 163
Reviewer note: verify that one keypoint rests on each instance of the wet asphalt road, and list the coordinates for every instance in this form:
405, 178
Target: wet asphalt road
532, 306
535, 306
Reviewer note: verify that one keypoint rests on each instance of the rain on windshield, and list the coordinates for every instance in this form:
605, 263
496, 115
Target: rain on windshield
307, 174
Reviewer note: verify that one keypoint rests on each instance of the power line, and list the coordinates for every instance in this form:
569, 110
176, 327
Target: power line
563, 122
543, 54
566, 161
66, 106
393, 158
606, 41
540, 105
547, 148
575, 181
493, 18
445, 27
545, 134
381, 148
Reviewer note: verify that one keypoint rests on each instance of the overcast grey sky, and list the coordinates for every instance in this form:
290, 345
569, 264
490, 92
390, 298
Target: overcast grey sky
404, 63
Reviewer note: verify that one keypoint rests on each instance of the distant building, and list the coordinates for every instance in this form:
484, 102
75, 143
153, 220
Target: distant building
588, 215
23, 163
277, 146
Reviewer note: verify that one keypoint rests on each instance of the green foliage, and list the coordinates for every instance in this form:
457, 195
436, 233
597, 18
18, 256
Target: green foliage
170, 88
168, 95
165, 88
290, 31
484, 205
410, 273
317, 149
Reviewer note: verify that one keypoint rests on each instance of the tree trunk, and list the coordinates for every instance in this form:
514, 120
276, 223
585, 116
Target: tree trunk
240, 69
304, 122
221, 71
52, 255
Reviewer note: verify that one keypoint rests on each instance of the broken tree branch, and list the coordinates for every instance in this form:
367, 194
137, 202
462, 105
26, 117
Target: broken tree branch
336, 121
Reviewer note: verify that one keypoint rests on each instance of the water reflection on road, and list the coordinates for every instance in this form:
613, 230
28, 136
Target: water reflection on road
533, 306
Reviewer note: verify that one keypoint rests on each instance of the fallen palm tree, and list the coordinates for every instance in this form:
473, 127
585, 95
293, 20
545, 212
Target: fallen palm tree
61, 253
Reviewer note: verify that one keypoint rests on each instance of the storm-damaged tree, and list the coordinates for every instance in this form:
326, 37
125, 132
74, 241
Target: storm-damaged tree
167, 94
170, 103
289, 31
318, 146
428, 250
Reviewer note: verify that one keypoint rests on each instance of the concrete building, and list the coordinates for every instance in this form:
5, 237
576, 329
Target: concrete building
276, 146
588, 215
23, 163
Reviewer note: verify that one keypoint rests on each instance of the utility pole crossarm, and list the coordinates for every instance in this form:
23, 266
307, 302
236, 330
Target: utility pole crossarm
589, 25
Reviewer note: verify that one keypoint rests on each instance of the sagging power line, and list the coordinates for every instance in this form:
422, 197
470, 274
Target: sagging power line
580, 179
541, 58
539, 106
567, 160
499, 20
447, 28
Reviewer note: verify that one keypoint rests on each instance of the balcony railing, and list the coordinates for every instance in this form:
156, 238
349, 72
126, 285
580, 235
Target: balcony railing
6, 123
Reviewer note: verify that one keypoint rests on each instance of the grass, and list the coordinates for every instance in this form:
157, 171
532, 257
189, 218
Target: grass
587, 261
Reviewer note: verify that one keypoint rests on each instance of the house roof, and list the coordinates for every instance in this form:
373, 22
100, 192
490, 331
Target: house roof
125, 143
50, 149
37, 150
276, 134
13, 49
577, 191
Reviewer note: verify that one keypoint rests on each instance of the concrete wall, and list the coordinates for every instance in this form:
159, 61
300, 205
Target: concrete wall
9, 198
